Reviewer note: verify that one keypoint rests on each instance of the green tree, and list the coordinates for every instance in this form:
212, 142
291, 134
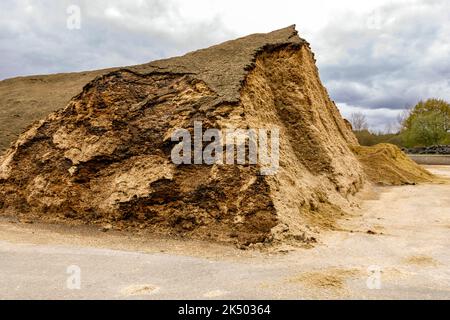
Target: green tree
426, 129
438, 106
428, 123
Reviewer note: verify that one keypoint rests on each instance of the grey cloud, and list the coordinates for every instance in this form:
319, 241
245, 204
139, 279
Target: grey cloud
35, 40
379, 119
399, 58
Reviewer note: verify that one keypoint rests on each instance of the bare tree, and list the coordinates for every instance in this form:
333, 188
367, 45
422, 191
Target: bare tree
389, 128
359, 121
403, 116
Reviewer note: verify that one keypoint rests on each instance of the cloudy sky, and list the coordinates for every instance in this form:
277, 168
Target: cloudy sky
376, 57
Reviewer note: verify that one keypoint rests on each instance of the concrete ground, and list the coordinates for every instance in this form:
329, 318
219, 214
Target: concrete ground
397, 247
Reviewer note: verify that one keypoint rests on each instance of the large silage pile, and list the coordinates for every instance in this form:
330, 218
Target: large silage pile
107, 156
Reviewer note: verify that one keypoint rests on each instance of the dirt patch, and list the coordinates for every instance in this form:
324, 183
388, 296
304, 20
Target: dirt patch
140, 290
422, 261
334, 279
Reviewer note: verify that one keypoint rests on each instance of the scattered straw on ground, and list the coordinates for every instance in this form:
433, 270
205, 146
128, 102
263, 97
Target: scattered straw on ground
422, 261
326, 279
140, 290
